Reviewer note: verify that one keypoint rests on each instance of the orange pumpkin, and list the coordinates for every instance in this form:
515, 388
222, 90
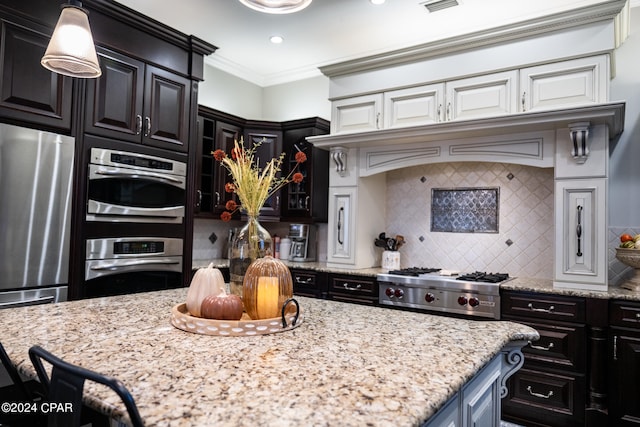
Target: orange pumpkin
222, 307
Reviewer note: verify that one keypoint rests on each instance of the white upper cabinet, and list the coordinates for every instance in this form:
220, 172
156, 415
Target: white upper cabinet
414, 106
544, 87
567, 83
357, 114
482, 96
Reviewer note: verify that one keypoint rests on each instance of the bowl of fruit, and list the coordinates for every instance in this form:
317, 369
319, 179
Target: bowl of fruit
628, 252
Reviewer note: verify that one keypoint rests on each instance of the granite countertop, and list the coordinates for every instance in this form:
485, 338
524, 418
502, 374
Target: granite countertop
516, 284
346, 364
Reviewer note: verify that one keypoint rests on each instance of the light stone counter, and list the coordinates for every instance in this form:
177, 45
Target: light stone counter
345, 365
517, 284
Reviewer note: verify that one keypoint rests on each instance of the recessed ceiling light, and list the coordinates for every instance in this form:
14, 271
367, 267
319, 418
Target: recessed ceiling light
377, 1
276, 6
276, 39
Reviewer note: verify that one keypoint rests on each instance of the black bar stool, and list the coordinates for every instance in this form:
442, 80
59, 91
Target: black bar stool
66, 385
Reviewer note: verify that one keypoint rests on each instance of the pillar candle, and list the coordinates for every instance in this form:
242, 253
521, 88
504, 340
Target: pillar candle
267, 298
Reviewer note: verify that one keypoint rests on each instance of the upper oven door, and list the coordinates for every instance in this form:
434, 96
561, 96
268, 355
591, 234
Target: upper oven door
135, 188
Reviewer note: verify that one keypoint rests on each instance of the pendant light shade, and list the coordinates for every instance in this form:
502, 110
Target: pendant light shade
71, 50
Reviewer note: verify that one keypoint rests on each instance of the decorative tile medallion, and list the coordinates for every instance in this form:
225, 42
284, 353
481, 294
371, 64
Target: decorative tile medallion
465, 210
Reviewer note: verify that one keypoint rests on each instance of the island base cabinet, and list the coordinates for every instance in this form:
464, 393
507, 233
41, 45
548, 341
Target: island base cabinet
479, 401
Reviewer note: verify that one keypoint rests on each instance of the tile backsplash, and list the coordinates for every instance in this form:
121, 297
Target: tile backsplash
523, 245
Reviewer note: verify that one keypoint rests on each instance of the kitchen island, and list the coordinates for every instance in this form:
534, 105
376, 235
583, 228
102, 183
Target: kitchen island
346, 364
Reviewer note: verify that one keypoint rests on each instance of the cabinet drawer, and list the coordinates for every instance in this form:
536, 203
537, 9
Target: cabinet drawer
309, 282
559, 346
550, 399
625, 313
353, 286
550, 307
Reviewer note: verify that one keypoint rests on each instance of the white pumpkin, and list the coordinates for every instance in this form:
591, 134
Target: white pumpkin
206, 281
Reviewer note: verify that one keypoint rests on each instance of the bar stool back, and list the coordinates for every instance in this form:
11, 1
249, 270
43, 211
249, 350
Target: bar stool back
66, 386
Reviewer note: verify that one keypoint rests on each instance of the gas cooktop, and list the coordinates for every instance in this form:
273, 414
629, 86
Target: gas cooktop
474, 294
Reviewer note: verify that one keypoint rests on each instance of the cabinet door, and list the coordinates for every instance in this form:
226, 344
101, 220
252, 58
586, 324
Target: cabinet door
341, 231
566, 83
28, 91
114, 100
226, 135
205, 166
166, 110
580, 240
481, 397
414, 106
357, 114
625, 381
308, 199
270, 147
482, 96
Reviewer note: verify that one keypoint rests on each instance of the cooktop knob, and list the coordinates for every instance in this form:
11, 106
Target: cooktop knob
429, 297
462, 300
389, 292
399, 293
474, 302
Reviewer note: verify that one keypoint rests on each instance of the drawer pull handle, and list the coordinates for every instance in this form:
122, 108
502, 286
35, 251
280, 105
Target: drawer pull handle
540, 395
637, 315
301, 280
540, 347
544, 310
351, 288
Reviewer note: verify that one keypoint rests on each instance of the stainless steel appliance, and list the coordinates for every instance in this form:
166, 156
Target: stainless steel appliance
132, 264
303, 242
474, 295
36, 171
133, 187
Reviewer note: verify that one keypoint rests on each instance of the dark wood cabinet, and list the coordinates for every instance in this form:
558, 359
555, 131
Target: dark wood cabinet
29, 93
550, 389
266, 137
138, 102
306, 201
226, 135
218, 130
309, 283
353, 289
624, 345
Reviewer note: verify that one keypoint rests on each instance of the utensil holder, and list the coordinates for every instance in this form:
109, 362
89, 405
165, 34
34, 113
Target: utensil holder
391, 260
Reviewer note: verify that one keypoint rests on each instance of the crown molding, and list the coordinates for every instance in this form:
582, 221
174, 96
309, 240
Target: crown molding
605, 11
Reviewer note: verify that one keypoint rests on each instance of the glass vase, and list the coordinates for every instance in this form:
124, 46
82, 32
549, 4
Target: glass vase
249, 244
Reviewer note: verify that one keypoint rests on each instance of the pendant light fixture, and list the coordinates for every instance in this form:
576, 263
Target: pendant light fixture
71, 50
276, 6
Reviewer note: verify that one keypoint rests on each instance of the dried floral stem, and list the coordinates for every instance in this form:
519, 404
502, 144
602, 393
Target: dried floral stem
252, 184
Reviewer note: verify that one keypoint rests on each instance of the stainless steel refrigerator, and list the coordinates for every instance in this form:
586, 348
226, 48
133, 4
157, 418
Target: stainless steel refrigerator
36, 178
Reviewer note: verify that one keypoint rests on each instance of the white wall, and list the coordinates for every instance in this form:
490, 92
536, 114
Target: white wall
624, 164
233, 95
296, 100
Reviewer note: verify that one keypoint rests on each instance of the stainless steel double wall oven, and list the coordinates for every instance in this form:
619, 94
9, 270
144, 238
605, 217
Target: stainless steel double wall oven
134, 219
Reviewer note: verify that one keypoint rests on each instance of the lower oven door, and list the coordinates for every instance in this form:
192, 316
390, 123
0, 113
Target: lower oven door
117, 266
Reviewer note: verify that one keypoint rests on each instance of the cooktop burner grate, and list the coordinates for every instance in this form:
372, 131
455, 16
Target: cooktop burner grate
480, 276
413, 271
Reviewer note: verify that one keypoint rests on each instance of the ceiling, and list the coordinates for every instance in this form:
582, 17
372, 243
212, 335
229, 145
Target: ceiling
330, 31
